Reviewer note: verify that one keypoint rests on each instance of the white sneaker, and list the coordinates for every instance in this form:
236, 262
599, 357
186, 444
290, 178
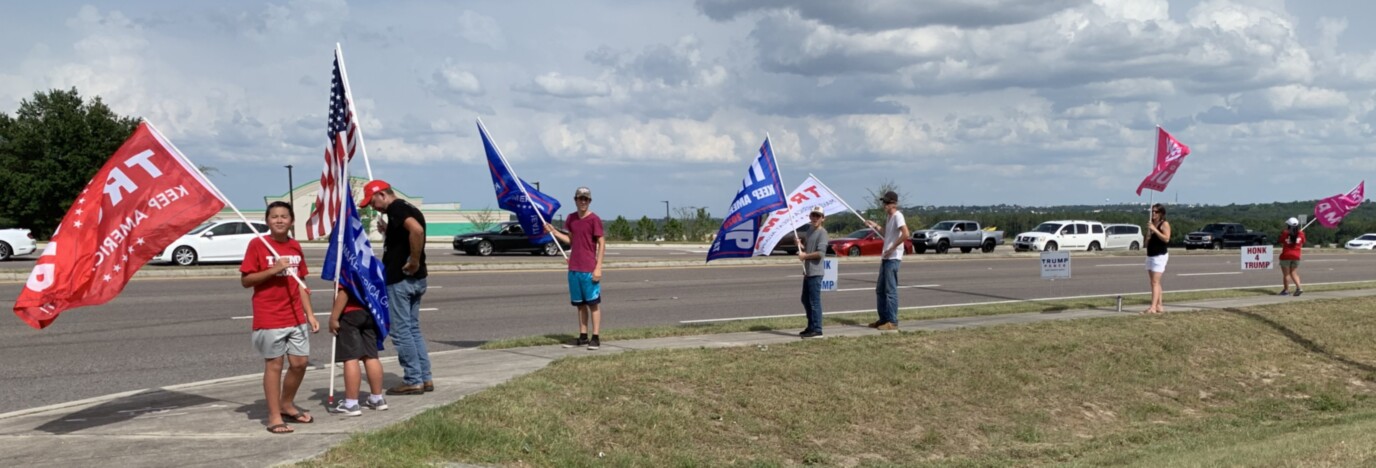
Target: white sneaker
343, 409
379, 406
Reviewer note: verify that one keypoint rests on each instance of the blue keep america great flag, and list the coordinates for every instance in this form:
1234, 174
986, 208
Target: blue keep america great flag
360, 273
761, 192
521, 199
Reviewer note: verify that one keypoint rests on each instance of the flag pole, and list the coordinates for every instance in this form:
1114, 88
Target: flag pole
349, 99
206, 181
838, 196
339, 254
521, 184
787, 203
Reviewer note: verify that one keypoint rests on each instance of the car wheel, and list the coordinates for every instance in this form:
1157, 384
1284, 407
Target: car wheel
854, 251
1135, 246
5, 251
987, 247
1218, 245
943, 246
184, 256
1094, 247
1051, 247
966, 249
920, 248
484, 248
551, 249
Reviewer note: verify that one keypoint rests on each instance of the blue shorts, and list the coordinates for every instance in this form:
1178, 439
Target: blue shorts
583, 290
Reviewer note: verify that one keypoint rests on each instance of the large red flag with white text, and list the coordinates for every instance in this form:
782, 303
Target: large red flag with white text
1331, 211
1169, 154
145, 197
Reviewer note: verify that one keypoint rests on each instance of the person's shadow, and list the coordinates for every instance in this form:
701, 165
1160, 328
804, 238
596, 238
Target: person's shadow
1297, 338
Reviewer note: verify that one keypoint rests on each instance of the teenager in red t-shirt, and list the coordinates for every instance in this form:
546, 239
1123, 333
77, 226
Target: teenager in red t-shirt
1291, 246
282, 315
585, 267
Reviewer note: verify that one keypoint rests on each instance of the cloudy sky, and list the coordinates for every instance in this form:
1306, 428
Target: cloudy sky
1032, 102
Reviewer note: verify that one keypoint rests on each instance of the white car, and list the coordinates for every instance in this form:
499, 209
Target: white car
213, 241
1058, 235
16, 242
1363, 242
1123, 236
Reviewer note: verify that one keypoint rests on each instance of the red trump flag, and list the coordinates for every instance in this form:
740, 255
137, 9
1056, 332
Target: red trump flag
145, 197
1331, 211
1169, 154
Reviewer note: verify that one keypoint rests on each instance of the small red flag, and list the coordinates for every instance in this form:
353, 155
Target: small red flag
145, 197
1331, 211
1169, 154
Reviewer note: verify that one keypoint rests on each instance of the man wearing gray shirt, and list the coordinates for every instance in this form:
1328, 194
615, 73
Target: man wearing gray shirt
810, 252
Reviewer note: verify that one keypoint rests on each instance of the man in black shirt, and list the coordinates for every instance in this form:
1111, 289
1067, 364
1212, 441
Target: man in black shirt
403, 261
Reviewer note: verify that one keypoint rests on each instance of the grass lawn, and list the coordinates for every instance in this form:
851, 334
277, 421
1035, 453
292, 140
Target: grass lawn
1286, 385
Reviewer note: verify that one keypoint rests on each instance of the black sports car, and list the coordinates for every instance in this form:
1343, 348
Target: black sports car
504, 237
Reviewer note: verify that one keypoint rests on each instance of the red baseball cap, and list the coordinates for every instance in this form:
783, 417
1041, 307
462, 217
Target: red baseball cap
372, 188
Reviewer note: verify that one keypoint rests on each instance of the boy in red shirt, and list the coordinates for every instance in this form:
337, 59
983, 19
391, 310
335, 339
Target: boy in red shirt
281, 315
357, 341
585, 267
1291, 246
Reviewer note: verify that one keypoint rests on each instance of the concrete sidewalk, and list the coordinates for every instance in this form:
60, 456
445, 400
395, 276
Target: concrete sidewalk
221, 422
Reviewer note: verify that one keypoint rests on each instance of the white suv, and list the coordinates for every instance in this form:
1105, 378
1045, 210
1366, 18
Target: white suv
1058, 235
16, 242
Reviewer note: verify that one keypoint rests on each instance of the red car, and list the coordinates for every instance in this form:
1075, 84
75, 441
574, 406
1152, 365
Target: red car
863, 242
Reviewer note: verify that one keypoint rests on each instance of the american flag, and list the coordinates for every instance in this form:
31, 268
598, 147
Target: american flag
341, 125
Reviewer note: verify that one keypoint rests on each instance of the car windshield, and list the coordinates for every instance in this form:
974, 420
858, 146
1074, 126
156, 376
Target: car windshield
202, 227
1214, 227
858, 234
944, 226
496, 228
1367, 237
1049, 228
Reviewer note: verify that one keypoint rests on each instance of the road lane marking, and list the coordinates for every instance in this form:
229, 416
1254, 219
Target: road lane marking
1210, 274
246, 317
899, 287
1327, 260
1120, 265
871, 273
967, 304
428, 309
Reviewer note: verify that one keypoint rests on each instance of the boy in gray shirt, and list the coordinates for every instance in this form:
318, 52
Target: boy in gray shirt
811, 250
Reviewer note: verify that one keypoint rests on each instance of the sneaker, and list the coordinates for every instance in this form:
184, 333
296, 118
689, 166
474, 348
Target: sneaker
1298, 292
876, 323
381, 404
428, 386
1283, 292
344, 409
804, 332
594, 344
811, 334
887, 326
403, 389
576, 343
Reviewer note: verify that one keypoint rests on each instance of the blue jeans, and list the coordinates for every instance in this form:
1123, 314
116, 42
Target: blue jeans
886, 292
812, 301
403, 298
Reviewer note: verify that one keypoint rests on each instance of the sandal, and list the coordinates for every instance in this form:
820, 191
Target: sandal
302, 417
278, 429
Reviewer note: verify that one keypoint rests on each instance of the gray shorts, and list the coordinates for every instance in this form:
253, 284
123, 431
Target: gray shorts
272, 343
1289, 263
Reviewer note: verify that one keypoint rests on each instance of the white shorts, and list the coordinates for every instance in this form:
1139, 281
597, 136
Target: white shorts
1157, 264
272, 343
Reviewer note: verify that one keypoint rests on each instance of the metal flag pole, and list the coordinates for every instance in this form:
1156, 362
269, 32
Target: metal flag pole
521, 185
338, 258
349, 99
206, 181
838, 197
787, 203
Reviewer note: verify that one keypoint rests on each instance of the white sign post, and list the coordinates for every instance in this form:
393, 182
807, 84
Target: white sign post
829, 272
1055, 265
1257, 257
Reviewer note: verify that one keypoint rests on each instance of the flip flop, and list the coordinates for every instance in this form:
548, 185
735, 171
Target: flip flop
297, 418
275, 429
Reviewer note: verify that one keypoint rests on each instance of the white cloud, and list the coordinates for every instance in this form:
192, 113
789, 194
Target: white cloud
559, 85
479, 29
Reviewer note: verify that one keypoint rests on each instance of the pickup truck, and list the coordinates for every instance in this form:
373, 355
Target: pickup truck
1220, 235
963, 234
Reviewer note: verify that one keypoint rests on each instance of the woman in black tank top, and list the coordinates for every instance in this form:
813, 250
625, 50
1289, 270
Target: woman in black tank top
1158, 235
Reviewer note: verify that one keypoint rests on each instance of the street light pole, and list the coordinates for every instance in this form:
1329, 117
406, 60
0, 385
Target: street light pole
666, 209
537, 186
291, 198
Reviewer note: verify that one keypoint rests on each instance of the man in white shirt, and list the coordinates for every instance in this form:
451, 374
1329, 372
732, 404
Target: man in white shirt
895, 232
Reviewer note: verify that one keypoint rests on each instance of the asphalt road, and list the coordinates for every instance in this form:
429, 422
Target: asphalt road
168, 331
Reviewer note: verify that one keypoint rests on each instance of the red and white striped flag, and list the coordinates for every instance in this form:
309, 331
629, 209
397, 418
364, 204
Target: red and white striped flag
342, 125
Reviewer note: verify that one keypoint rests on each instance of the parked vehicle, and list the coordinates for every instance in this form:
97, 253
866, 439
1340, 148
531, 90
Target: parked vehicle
1220, 235
1123, 236
863, 242
1062, 235
787, 245
16, 242
1362, 242
504, 237
963, 234
212, 241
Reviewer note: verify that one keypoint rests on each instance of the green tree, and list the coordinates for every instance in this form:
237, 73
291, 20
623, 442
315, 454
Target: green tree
483, 219
49, 150
645, 229
620, 229
673, 230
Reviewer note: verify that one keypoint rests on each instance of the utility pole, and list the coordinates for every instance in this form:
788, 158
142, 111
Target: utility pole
291, 199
